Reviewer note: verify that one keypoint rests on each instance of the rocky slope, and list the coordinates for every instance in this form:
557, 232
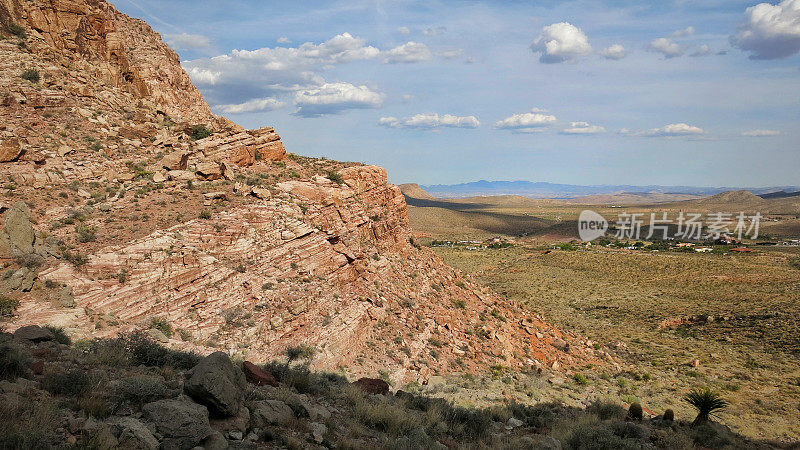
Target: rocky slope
130, 205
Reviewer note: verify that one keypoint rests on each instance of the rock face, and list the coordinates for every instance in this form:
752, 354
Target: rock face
112, 49
216, 383
297, 251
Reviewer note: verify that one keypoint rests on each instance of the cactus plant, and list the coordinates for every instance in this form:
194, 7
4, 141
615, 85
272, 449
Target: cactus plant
669, 415
635, 411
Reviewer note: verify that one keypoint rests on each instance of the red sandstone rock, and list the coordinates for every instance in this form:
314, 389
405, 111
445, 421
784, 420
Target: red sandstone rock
257, 376
372, 385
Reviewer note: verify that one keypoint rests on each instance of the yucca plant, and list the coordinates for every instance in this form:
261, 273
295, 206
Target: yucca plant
706, 402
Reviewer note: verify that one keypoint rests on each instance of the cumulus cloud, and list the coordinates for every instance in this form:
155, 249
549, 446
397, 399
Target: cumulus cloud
671, 130
430, 121
761, 133
258, 104
410, 52
404, 30
452, 54
531, 122
333, 98
703, 50
688, 31
615, 52
770, 31
561, 42
666, 47
186, 41
583, 128
434, 31
283, 40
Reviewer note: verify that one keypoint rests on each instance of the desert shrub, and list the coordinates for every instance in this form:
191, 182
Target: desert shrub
144, 351
72, 383
28, 424
17, 30
466, 423
161, 324
298, 377
95, 406
137, 390
200, 132
300, 352
107, 352
335, 177
8, 305
635, 411
386, 415
59, 335
31, 75
628, 430
606, 410
706, 435
794, 263
580, 379
85, 234
30, 260
13, 362
205, 215
707, 402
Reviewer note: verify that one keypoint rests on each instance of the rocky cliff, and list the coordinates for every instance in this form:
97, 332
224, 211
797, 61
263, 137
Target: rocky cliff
144, 211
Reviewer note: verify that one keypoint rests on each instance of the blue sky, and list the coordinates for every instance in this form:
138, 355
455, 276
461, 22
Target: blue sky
703, 92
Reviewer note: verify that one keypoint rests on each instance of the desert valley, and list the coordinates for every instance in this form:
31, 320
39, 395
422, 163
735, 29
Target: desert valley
171, 279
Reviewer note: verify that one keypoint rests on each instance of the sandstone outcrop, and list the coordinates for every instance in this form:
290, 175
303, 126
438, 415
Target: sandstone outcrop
237, 245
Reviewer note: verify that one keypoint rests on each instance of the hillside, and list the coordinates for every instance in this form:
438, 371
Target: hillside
128, 205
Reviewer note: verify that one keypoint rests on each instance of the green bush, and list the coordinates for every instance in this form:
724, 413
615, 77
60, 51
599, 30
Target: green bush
606, 410
13, 362
161, 324
59, 335
85, 234
200, 132
72, 383
31, 75
144, 351
7, 305
707, 402
17, 31
300, 352
335, 177
580, 379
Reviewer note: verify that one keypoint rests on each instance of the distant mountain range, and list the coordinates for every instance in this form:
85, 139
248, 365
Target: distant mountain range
566, 191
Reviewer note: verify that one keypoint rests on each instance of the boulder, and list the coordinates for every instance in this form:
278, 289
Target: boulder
216, 441
270, 412
10, 150
216, 383
21, 279
261, 192
180, 175
258, 376
318, 431
33, 333
157, 335
209, 171
133, 435
243, 156
181, 424
177, 160
372, 385
19, 229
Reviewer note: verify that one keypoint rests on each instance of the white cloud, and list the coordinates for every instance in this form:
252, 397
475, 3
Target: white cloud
279, 66
186, 41
688, 31
770, 31
410, 52
404, 30
283, 40
583, 128
431, 121
561, 42
531, 122
258, 104
434, 31
452, 54
761, 133
333, 98
615, 52
671, 130
666, 47
703, 50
